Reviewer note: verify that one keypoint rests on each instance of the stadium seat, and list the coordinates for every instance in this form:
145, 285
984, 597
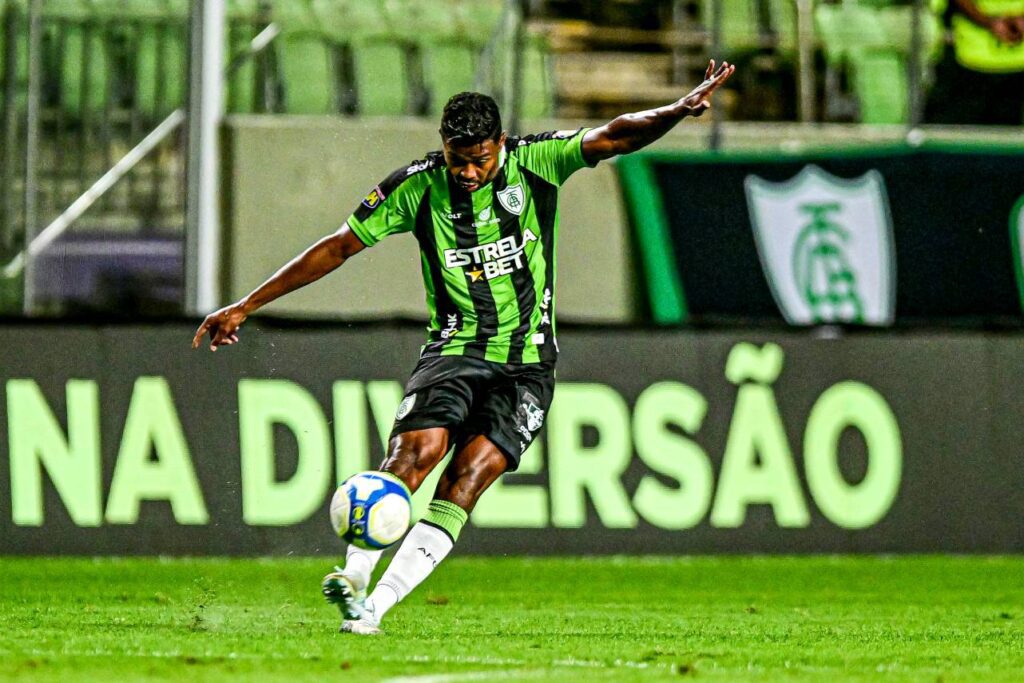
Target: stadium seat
879, 4
305, 59
380, 70
739, 27
855, 41
879, 78
380, 75
75, 34
21, 49
410, 20
161, 54
449, 69
898, 22
242, 25
871, 40
750, 25
537, 94
478, 20
783, 18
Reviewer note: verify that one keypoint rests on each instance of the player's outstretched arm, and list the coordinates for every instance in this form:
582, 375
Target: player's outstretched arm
309, 266
631, 132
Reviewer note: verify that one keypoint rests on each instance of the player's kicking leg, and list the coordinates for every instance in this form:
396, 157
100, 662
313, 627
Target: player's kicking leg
411, 457
474, 468
346, 588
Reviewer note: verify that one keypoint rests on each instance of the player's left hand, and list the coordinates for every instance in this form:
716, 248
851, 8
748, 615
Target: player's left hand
698, 100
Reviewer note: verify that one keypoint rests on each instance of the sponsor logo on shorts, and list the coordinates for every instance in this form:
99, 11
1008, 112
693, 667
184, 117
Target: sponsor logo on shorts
373, 200
529, 417
405, 407
534, 416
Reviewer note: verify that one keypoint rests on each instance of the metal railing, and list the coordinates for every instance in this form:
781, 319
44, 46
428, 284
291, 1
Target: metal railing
66, 143
103, 82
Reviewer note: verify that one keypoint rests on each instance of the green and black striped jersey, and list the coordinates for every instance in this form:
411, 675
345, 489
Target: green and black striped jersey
488, 257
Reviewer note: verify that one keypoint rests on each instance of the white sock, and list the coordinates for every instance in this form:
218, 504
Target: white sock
359, 564
421, 551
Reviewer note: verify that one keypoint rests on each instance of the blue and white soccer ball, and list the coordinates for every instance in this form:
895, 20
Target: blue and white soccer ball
371, 509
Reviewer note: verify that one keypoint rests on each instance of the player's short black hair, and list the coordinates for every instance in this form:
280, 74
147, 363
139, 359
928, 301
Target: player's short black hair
469, 118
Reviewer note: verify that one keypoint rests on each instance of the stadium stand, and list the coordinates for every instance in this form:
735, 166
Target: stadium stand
399, 57
112, 69
334, 56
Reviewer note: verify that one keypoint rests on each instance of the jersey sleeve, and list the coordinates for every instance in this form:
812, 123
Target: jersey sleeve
554, 156
384, 211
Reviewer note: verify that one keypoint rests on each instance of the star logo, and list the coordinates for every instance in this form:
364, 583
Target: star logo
475, 274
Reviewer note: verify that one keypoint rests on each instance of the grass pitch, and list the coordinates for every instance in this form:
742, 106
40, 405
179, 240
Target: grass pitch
894, 619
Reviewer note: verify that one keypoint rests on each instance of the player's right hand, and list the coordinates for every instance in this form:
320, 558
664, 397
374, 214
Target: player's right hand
222, 325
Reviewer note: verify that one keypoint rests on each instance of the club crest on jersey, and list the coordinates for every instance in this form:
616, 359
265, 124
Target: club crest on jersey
373, 200
512, 198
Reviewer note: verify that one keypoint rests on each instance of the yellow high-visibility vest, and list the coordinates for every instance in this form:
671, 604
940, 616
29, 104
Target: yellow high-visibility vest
979, 50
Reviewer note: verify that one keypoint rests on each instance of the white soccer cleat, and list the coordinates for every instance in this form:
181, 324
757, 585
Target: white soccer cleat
340, 590
361, 627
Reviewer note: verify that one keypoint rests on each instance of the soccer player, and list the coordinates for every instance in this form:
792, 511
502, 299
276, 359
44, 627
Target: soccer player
485, 213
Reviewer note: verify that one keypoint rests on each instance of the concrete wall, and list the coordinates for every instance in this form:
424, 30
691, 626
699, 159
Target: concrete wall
291, 180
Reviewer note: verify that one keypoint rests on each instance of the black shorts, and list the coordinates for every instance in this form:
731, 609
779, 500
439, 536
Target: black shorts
505, 403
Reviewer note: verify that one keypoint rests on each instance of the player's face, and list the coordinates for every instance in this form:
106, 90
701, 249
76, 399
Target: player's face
474, 166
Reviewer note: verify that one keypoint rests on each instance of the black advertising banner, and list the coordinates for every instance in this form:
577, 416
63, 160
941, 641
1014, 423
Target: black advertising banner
871, 236
122, 440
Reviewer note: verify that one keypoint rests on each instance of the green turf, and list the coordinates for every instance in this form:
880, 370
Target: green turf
894, 619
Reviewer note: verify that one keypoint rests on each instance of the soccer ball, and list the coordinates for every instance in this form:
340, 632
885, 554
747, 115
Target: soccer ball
371, 509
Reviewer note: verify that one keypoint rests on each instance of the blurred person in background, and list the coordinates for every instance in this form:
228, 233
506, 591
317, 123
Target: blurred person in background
981, 79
